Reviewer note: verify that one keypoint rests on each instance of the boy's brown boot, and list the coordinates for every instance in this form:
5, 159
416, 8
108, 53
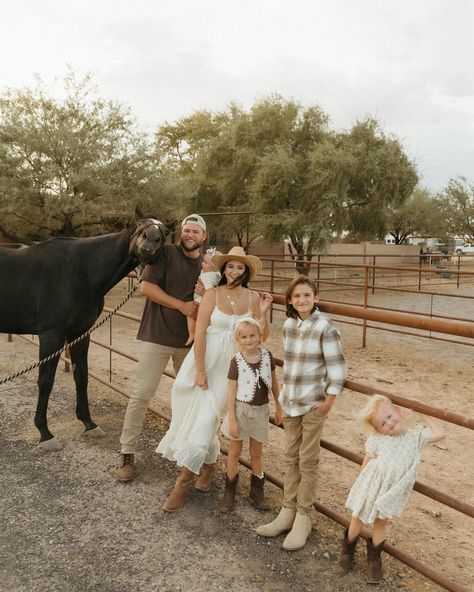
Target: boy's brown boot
346, 559
177, 497
227, 502
256, 494
126, 468
206, 477
374, 562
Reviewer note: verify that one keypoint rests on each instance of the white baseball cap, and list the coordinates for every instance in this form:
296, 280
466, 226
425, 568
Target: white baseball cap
194, 219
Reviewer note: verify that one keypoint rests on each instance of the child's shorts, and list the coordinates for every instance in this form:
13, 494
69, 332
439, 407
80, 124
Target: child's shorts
252, 420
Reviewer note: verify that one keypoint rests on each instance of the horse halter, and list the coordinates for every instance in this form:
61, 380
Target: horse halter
142, 225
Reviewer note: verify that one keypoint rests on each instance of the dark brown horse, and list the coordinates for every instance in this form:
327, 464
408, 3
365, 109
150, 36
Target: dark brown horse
56, 290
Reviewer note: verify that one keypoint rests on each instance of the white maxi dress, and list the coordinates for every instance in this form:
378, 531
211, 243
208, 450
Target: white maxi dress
191, 439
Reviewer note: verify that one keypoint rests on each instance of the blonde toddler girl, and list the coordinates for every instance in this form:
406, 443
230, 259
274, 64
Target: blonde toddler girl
386, 479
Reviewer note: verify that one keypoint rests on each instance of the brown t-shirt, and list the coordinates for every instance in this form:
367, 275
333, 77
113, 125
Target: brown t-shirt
176, 275
261, 392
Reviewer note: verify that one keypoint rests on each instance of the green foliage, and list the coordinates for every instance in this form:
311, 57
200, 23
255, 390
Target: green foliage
79, 165
380, 176
73, 166
301, 180
419, 215
457, 205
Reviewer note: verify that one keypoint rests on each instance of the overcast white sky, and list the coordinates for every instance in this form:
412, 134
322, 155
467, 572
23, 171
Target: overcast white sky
410, 64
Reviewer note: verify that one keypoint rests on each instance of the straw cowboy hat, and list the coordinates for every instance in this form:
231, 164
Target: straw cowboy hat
238, 254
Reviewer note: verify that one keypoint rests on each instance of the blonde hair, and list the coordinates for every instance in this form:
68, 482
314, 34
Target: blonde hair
245, 323
367, 413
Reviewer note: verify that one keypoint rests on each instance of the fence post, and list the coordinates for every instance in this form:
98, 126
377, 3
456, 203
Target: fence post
110, 350
373, 276
319, 271
366, 300
272, 287
419, 272
459, 269
10, 337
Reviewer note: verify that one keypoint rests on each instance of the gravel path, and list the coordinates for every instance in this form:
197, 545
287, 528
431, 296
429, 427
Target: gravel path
68, 525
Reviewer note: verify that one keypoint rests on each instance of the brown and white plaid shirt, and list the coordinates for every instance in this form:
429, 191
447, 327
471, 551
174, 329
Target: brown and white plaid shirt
313, 365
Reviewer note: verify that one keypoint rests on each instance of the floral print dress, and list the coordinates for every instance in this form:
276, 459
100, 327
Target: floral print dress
383, 486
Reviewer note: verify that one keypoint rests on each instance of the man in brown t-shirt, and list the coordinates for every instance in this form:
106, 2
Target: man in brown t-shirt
169, 287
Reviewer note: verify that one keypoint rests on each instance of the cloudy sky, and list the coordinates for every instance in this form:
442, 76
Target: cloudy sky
410, 64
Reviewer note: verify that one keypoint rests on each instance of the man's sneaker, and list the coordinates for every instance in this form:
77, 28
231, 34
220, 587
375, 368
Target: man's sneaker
126, 468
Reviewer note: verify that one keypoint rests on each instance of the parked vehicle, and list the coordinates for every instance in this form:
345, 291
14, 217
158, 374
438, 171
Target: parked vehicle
465, 249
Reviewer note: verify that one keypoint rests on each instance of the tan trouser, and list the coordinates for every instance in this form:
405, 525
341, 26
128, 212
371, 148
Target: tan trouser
302, 438
152, 361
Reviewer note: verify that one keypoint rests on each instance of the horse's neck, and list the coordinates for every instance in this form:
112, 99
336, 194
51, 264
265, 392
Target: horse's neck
107, 260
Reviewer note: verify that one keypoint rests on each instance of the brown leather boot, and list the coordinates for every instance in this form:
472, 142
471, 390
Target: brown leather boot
346, 558
126, 468
374, 562
227, 502
256, 494
206, 477
178, 495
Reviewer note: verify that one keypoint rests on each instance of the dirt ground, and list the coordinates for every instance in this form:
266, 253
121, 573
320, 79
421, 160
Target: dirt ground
68, 525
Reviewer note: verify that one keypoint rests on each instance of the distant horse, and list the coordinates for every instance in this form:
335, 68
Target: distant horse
56, 290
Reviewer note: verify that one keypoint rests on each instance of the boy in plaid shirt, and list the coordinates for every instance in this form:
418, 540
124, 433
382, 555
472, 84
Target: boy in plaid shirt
314, 372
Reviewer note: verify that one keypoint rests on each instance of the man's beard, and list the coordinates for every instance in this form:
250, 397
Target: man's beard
196, 245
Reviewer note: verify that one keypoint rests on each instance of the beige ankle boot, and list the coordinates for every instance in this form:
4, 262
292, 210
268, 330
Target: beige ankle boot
183, 484
300, 531
206, 477
282, 523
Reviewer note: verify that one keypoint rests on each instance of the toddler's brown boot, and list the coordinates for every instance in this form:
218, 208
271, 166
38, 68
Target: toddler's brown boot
374, 562
346, 559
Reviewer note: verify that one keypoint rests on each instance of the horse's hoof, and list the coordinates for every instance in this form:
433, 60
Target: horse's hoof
51, 445
94, 433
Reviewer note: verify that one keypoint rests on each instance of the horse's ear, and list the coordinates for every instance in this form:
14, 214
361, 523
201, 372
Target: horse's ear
138, 213
171, 225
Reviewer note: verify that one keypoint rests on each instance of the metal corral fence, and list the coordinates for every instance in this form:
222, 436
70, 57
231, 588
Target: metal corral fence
367, 285
446, 327
339, 272
458, 328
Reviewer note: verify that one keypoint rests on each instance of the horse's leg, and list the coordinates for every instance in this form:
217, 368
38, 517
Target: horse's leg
49, 343
80, 368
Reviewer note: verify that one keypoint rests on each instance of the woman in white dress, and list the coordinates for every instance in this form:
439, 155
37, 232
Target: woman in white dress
199, 395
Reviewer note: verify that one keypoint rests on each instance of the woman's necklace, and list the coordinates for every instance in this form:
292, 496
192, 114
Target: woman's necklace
233, 298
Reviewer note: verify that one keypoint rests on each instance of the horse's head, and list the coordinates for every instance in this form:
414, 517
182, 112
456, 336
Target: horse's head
148, 239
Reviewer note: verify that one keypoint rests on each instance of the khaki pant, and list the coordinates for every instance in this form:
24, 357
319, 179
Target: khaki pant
302, 438
152, 361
